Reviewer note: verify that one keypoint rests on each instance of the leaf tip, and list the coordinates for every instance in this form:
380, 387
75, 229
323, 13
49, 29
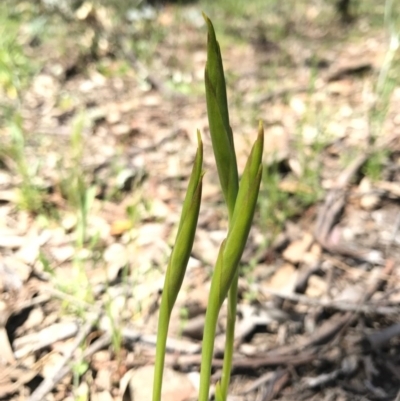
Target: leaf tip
199, 140
210, 27
261, 133
260, 128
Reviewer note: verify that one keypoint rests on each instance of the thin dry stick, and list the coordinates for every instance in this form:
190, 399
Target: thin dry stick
389, 279
335, 202
342, 306
49, 383
382, 337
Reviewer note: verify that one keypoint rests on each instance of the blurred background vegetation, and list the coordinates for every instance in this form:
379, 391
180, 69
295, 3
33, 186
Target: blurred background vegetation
127, 39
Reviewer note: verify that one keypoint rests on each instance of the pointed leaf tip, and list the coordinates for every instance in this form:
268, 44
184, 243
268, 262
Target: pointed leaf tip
199, 140
208, 21
261, 135
261, 127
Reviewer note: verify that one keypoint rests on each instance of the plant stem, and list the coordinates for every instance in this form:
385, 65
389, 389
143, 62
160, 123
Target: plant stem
230, 336
162, 333
210, 326
207, 351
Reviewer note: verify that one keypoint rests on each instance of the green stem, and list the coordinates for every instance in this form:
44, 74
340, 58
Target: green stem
230, 336
162, 333
210, 327
231, 320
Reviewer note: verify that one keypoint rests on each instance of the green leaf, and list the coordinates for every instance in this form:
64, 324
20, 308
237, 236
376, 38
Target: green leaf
218, 118
242, 217
183, 246
213, 307
218, 393
178, 262
229, 255
194, 180
253, 164
187, 228
214, 74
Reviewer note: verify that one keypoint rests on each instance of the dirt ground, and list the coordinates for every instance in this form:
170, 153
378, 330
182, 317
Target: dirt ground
96, 151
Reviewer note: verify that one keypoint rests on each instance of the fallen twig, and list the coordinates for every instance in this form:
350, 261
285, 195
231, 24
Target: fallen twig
333, 206
246, 362
341, 306
62, 370
382, 337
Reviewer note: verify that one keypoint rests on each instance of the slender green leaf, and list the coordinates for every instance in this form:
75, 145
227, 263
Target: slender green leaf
218, 393
177, 264
218, 118
255, 162
229, 256
215, 76
250, 172
213, 307
194, 180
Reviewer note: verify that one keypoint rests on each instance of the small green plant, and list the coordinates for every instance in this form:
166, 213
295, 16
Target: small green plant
240, 201
387, 81
16, 68
73, 185
374, 166
275, 207
79, 368
31, 195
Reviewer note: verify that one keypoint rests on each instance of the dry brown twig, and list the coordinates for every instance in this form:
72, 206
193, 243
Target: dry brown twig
64, 367
334, 204
341, 306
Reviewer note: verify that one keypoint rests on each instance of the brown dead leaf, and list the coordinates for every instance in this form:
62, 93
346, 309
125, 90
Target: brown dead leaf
351, 294
8, 240
52, 362
35, 341
35, 318
296, 251
284, 279
313, 255
7, 354
62, 253
9, 280
116, 258
119, 227
103, 379
18, 268
293, 187
136, 385
13, 377
9, 196
121, 130
392, 187
101, 396
369, 200
343, 87
317, 287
